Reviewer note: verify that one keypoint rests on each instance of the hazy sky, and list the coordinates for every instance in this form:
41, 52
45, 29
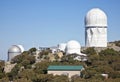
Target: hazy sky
35, 23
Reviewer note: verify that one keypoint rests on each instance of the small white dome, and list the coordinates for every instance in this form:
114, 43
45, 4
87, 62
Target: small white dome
95, 17
14, 49
62, 46
73, 47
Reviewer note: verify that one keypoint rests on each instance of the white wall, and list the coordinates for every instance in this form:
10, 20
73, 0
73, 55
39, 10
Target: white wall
70, 73
96, 37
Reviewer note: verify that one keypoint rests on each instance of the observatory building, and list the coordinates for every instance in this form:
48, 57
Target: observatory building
14, 50
62, 47
96, 28
73, 47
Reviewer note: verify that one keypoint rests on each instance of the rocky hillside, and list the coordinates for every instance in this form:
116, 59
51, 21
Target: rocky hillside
101, 61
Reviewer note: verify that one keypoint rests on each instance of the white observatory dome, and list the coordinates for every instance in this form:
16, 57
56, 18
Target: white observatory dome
73, 47
62, 46
14, 49
95, 17
21, 47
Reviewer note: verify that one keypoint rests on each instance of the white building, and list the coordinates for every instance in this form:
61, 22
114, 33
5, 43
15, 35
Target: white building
62, 47
96, 28
65, 70
73, 47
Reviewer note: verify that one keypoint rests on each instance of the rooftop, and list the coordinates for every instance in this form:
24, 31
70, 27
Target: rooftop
65, 67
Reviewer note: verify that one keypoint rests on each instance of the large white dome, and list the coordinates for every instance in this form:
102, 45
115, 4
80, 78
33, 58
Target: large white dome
73, 47
21, 47
14, 49
95, 17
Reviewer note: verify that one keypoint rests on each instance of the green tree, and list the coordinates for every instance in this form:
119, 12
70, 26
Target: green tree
61, 78
5, 79
90, 51
24, 59
113, 80
116, 66
41, 67
109, 51
22, 80
32, 50
17, 59
77, 79
2, 74
114, 74
43, 78
27, 73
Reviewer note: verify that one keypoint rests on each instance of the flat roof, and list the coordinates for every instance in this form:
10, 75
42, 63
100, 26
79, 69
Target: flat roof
65, 67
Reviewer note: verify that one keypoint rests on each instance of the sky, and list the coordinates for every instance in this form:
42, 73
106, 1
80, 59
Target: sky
35, 23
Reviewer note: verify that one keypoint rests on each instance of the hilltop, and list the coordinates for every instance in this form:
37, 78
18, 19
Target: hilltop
101, 61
